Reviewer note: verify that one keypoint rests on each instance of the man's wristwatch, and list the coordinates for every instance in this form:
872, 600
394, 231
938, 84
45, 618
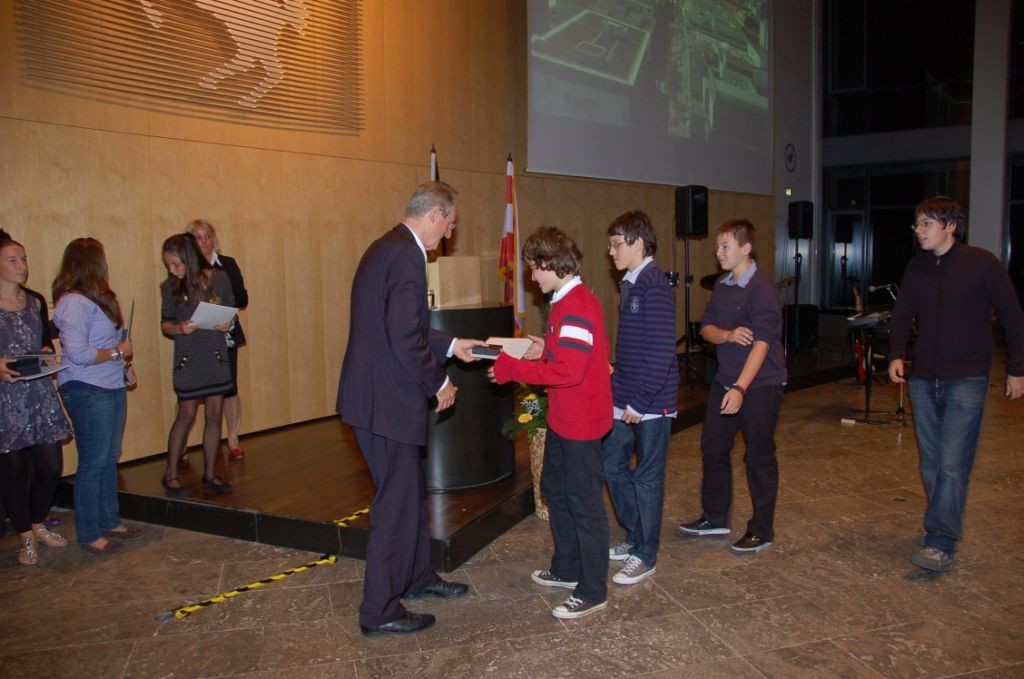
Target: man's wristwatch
115, 354
737, 388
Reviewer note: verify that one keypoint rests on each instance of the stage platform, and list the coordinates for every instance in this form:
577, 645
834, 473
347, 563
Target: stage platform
306, 486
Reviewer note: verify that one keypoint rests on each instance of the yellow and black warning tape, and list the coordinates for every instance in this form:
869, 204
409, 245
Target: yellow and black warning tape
351, 517
189, 609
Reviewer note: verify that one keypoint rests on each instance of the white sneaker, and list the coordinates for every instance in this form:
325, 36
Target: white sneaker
573, 608
620, 552
633, 572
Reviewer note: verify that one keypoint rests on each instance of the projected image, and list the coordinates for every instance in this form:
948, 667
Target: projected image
658, 70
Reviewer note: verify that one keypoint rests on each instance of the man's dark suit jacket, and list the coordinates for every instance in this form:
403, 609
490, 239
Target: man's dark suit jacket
393, 364
230, 267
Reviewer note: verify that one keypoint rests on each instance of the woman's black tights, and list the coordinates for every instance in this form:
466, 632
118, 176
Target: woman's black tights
178, 437
28, 480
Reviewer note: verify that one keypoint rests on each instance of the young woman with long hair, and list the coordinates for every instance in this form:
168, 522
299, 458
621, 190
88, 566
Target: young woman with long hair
201, 370
97, 355
32, 423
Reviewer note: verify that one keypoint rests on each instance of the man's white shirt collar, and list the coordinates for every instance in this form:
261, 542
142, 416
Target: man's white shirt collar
423, 248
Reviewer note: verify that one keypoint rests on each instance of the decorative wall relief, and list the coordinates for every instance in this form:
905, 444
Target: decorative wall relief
293, 64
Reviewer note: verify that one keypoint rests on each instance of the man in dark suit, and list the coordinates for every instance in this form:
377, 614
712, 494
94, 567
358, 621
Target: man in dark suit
393, 368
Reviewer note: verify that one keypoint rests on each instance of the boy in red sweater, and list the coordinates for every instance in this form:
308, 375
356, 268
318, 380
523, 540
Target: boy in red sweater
572, 361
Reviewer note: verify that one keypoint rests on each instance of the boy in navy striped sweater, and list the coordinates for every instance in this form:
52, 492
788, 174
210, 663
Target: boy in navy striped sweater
645, 391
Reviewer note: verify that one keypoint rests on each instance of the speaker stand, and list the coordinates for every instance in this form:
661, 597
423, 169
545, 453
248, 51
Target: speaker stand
687, 337
797, 260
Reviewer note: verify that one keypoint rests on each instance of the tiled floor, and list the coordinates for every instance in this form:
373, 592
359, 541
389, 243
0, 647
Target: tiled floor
835, 596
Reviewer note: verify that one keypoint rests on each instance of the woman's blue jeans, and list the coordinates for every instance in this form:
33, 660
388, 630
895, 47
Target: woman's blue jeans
947, 420
97, 416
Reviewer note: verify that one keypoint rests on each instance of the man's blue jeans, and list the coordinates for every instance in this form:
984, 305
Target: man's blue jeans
97, 416
947, 419
638, 494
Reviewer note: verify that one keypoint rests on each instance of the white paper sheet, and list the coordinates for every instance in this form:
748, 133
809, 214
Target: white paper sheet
208, 315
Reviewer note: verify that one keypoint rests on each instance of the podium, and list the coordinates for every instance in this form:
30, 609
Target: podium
465, 446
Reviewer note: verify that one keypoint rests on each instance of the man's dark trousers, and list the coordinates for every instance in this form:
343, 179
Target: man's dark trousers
399, 540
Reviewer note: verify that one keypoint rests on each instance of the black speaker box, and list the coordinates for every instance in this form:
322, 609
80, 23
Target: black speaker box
800, 325
691, 211
801, 219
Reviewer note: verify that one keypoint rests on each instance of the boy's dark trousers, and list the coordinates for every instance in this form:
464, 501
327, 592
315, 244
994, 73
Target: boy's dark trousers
573, 485
756, 420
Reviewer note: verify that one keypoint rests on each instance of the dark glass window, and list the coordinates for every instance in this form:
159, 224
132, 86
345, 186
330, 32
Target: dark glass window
897, 65
868, 213
1017, 61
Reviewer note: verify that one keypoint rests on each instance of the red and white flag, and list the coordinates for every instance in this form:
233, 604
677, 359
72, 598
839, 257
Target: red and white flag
510, 268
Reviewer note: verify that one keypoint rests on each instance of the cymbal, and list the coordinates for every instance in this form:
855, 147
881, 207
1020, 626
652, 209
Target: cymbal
708, 282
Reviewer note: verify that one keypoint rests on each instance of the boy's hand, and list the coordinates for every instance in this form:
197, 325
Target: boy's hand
732, 402
535, 350
741, 335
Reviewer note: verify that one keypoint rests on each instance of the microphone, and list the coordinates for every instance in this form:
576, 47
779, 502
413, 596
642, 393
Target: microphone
887, 286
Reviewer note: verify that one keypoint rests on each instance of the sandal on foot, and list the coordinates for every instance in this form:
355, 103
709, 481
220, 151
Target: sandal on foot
106, 550
50, 538
28, 556
172, 491
216, 485
125, 533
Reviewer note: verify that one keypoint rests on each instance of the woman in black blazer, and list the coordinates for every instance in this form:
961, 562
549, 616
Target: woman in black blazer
206, 238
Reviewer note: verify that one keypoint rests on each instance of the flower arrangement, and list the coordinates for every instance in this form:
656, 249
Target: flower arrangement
530, 415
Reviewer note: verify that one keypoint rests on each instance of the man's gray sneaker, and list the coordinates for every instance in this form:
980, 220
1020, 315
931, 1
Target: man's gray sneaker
701, 527
620, 552
633, 572
573, 608
933, 559
548, 579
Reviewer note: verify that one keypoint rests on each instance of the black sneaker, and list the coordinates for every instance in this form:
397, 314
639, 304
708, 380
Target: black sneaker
549, 579
751, 544
573, 608
700, 528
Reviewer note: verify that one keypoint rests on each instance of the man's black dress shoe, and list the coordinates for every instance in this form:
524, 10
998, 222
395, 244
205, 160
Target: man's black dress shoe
442, 590
409, 622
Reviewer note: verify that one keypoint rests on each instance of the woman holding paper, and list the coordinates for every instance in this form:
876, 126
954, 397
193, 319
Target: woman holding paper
206, 239
201, 370
32, 423
93, 385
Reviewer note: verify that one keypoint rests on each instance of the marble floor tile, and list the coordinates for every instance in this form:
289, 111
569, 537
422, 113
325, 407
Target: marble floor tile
835, 596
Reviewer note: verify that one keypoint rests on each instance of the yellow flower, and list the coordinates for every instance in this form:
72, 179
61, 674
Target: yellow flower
524, 418
530, 397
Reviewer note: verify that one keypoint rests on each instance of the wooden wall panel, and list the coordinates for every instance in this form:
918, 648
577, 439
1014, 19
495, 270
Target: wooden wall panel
297, 209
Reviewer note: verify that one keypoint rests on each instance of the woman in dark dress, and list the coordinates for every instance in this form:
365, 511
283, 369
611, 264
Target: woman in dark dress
32, 423
206, 239
201, 369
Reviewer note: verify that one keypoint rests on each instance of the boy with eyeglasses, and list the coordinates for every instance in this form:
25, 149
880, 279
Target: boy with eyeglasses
951, 289
645, 393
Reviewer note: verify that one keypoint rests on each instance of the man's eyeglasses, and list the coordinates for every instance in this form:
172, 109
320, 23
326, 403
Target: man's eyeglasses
612, 247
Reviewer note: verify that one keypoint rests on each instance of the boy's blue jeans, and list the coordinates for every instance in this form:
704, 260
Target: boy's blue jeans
638, 494
947, 420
